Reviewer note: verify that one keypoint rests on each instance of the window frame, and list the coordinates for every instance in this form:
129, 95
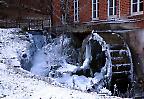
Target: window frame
114, 9
138, 12
96, 10
76, 10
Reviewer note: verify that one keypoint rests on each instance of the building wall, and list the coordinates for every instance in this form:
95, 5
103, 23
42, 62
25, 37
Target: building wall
140, 24
71, 11
124, 8
85, 11
138, 18
136, 43
103, 10
56, 15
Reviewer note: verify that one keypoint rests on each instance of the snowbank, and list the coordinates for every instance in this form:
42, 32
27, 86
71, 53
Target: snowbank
13, 46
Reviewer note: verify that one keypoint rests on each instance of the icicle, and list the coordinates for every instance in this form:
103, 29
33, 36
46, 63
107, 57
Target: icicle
88, 57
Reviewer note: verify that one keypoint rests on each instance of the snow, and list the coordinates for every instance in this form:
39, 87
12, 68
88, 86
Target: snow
16, 83
16, 86
12, 47
67, 68
3, 66
105, 91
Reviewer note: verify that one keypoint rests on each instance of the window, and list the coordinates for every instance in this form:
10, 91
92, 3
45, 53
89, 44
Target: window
136, 7
76, 12
95, 13
112, 7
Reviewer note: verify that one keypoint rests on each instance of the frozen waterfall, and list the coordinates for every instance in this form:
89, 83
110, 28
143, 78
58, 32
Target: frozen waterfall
56, 59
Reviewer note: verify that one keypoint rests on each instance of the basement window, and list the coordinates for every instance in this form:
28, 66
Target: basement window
112, 8
95, 5
136, 7
76, 12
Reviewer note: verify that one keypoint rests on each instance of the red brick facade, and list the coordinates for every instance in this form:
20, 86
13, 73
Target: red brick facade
103, 9
85, 10
56, 12
125, 8
123, 11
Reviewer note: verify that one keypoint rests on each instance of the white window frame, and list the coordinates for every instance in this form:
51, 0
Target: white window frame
138, 8
114, 7
95, 10
76, 11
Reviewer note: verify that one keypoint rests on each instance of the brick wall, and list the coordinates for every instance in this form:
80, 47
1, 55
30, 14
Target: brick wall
124, 8
71, 11
56, 13
140, 24
85, 10
103, 9
139, 21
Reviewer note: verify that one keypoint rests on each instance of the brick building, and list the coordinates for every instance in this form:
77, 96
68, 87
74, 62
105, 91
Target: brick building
101, 11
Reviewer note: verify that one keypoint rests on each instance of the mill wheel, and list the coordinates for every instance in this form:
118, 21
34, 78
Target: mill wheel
121, 64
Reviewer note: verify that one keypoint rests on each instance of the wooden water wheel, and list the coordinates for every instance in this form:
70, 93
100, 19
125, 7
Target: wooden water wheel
121, 63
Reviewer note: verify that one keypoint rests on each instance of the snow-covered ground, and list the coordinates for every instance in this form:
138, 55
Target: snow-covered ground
16, 83
19, 84
13, 46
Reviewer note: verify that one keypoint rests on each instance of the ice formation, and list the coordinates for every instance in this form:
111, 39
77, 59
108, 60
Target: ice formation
52, 60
